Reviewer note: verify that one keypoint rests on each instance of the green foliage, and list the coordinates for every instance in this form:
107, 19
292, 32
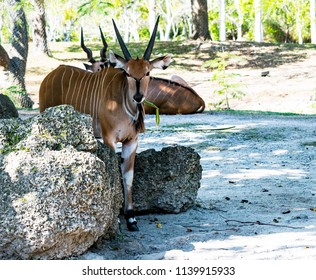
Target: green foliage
283, 20
226, 86
14, 93
94, 6
13, 132
157, 111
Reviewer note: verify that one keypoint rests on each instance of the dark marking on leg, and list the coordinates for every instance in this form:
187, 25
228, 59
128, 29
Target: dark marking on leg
131, 221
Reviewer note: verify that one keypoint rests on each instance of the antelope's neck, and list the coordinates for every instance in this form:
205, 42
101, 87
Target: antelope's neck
130, 106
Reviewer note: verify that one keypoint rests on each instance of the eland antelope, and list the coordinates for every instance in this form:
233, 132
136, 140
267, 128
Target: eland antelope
172, 96
114, 98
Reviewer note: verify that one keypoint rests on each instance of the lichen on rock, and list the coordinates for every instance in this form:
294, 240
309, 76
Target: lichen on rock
57, 196
61, 189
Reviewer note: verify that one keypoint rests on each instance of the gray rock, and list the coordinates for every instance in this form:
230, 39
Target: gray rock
57, 196
166, 181
61, 190
7, 108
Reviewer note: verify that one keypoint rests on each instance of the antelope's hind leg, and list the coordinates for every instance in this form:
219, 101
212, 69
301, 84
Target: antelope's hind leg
127, 167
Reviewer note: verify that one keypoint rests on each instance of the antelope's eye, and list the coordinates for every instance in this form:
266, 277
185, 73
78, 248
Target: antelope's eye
147, 74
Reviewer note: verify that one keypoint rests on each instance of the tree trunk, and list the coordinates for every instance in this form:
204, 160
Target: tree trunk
39, 26
200, 20
222, 20
167, 12
258, 21
18, 53
299, 25
313, 21
240, 19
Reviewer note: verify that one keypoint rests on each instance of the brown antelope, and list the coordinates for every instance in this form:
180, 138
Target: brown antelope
114, 97
172, 97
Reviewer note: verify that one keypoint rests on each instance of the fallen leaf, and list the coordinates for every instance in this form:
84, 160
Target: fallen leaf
158, 225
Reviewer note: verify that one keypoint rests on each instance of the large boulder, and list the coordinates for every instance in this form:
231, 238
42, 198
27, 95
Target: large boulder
57, 196
166, 181
7, 108
61, 189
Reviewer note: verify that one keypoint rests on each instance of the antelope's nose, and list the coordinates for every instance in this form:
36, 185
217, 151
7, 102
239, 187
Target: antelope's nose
138, 98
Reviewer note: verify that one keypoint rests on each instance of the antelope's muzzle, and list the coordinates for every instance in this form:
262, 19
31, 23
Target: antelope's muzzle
138, 98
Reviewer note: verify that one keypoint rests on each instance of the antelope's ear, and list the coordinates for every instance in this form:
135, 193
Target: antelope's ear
88, 67
117, 60
161, 62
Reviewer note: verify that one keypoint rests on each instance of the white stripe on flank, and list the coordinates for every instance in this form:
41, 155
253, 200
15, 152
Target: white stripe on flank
62, 86
97, 97
52, 86
69, 85
79, 91
88, 97
74, 89
95, 92
83, 92
102, 91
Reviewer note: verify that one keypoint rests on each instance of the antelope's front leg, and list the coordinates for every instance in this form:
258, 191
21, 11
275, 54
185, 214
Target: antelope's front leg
127, 167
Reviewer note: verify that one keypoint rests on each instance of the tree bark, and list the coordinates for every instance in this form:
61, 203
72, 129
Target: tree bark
200, 20
299, 25
313, 21
18, 53
222, 20
240, 19
258, 21
39, 26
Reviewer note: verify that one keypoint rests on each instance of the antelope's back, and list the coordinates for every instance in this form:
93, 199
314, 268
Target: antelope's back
84, 90
59, 85
173, 98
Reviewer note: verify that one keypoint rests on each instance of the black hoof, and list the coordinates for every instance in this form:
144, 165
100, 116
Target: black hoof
132, 226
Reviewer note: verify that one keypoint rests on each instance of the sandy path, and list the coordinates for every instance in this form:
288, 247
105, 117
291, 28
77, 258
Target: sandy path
257, 198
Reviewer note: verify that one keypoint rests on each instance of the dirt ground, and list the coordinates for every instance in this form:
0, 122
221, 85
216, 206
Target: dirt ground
258, 192
257, 198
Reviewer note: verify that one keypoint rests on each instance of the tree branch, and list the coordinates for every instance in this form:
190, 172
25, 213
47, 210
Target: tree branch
262, 224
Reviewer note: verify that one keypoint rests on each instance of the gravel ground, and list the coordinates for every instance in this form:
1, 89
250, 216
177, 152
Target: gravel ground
257, 198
